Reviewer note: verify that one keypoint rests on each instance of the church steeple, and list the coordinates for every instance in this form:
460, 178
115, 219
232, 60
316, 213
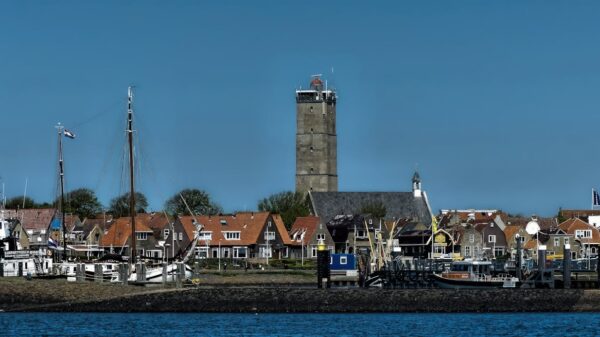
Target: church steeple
416, 185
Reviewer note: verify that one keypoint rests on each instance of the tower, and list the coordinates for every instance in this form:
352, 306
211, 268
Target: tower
416, 185
316, 139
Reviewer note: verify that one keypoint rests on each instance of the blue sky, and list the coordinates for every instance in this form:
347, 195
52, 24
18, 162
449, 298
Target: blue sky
497, 103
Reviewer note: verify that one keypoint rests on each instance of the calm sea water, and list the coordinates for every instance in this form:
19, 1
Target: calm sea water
100, 324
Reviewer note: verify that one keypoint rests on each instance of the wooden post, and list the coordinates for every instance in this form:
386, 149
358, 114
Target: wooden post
518, 265
567, 266
164, 274
98, 273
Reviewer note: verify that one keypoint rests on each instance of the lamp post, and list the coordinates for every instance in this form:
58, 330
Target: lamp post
302, 248
219, 255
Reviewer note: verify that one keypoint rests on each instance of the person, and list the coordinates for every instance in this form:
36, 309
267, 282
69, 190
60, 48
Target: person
225, 266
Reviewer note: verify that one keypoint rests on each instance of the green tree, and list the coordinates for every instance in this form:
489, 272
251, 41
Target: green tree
288, 204
376, 209
119, 206
198, 200
83, 202
17, 203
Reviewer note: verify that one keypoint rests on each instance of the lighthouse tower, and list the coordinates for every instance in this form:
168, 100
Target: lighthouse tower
316, 138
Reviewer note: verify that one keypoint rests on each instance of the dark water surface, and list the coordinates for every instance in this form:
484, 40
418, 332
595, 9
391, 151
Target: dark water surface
101, 324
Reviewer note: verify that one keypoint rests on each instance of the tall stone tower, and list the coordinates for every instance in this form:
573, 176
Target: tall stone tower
316, 139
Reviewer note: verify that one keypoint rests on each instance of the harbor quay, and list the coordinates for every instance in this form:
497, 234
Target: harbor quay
60, 296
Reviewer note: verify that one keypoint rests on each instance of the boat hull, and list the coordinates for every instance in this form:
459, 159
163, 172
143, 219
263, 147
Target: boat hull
448, 283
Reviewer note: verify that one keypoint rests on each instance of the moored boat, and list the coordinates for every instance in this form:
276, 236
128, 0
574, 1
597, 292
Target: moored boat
472, 274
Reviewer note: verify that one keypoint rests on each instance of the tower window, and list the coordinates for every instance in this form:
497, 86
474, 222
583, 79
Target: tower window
311, 130
311, 109
311, 149
311, 170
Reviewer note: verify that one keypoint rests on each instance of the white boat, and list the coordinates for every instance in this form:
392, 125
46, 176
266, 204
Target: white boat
25, 263
470, 274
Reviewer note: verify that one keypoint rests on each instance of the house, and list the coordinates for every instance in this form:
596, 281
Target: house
355, 233
555, 243
494, 240
413, 238
510, 233
397, 205
160, 223
305, 234
244, 235
469, 241
587, 235
34, 226
89, 234
117, 239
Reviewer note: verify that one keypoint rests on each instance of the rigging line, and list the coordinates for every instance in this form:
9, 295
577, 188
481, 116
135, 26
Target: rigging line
97, 115
112, 153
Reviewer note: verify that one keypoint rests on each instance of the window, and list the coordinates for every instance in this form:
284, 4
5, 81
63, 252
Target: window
321, 236
361, 234
166, 233
467, 251
226, 253
499, 251
141, 236
265, 252
312, 149
215, 253
180, 236
269, 236
581, 233
240, 252
556, 242
566, 241
232, 235
205, 236
491, 238
43, 231
471, 238
343, 260
313, 251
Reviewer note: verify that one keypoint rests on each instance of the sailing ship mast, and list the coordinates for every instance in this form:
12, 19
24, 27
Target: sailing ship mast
62, 189
131, 182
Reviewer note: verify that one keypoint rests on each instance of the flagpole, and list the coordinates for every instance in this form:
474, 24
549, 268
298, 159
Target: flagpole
62, 189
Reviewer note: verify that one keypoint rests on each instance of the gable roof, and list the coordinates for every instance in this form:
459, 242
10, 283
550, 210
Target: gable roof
281, 229
119, 233
36, 219
573, 224
510, 231
306, 225
159, 220
249, 224
327, 205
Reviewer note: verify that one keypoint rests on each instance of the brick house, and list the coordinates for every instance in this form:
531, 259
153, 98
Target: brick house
244, 235
117, 238
305, 234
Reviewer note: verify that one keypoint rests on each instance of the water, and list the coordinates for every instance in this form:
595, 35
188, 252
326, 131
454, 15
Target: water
471, 325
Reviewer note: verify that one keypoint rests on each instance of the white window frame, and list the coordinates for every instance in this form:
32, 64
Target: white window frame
232, 235
556, 242
141, 236
236, 252
180, 236
166, 232
471, 238
205, 235
313, 251
583, 233
358, 234
320, 236
468, 251
343, 260
492, 238
269, 235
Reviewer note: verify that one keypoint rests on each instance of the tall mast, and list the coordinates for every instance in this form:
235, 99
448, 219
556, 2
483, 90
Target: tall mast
62, 189
132, 190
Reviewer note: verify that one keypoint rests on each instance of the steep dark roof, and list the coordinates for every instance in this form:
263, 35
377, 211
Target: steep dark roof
399, 205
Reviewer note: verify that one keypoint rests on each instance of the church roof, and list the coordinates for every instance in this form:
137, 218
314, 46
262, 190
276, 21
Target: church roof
399, 205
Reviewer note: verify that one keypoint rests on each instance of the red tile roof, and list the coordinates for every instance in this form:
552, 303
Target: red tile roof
249, 224
36, 219
571, 225
305, 224
119, 233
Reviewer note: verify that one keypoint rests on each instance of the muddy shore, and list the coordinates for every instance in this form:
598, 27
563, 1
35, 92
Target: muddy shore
60, 296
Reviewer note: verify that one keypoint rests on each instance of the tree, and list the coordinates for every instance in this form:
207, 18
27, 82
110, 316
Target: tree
83, 202
17, 203
288, 204
198, 200
376, 209
119, 206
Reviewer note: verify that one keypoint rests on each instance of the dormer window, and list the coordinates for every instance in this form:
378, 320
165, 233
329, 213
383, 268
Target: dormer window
223, 222
232, 235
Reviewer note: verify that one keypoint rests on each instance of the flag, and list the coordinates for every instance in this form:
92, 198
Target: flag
69, 134
52, 244
595, 198
433, 224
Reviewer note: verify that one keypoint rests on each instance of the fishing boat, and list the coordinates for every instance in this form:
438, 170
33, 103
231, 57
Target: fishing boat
470, 274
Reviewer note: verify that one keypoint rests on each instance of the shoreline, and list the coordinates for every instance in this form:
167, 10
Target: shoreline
60, 296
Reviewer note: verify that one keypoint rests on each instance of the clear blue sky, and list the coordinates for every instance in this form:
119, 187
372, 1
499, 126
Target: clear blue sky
498, 103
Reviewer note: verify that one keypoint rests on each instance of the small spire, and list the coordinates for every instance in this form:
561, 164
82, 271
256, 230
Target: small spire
416, 178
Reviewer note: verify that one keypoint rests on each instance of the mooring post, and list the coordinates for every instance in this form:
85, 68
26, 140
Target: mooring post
567, 266
80, 272
98, 273
323, 267
124, 273
180, 274
140, 272
518, 265
542, 262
